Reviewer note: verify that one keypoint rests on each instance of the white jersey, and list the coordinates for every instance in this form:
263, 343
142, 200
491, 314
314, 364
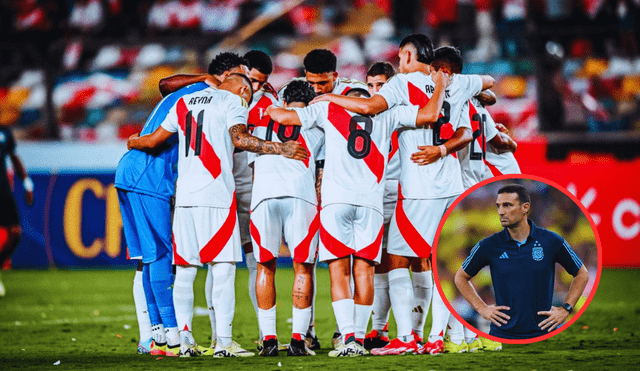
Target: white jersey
393, 167
261, 100
473, 157
205, 150
357, 150
278, 176
441, 178
340, 87
497, 162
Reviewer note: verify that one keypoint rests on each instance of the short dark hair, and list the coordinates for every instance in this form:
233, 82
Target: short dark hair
447, 56
224, 62
298, 91
423, 45
521, 191
358, 92
260, 61
320, 61
381, 68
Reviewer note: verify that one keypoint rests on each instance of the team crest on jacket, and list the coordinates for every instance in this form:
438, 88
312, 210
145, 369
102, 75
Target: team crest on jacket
537, 252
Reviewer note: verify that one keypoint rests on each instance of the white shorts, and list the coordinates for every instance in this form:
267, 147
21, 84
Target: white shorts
350, 230
292, 218
243, 175
389, 204
204, 235
414, 225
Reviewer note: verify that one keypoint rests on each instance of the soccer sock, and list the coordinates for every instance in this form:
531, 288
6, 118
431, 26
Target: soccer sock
401, 295
422, 285
224, 299
267, 321
300, 323
440, 317
173, 336
208, 291
362, 314
159, 335
152, 307
381, 301
162, 286
142, 313
469, 336
344, 311
183, 296
252, 265
456, 330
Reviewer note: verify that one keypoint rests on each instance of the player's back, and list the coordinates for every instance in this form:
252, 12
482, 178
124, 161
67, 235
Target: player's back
205, 151
154, 173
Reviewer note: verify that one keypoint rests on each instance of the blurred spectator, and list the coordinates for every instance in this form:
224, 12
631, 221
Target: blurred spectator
30, 16
176, 15
220, 15
87, 16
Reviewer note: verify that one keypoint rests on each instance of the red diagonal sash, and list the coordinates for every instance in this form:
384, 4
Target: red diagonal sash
208, 156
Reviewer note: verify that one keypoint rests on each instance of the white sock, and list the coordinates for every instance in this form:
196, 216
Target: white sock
208, 291
183, 296
173, 336
300, 323
381, 301
401, 296
362, 314
456, 330
224, 299
252, 265
267, 321
344, 311
469, 336
311, 329
440, 317
159, 335
422, 285
140, 301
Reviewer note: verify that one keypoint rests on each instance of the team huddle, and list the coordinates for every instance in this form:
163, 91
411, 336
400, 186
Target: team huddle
352, 174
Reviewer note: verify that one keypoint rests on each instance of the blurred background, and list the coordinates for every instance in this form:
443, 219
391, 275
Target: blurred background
476, 218
77, 77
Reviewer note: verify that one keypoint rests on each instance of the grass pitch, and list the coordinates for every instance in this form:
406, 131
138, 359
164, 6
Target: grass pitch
86, 319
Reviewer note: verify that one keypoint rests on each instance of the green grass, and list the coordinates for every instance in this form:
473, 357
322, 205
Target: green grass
45, 310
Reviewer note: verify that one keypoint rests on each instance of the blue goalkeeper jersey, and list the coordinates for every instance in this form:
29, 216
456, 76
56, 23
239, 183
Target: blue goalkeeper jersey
154, 173
522, 276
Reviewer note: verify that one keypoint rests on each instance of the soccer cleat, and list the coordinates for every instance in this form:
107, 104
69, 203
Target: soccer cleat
361, 349
174, 351
490, 345
375, 339
312, 341
451, 347
299, 348
396, 347
346, 350
336, 340
188, 347
241, 352
436, 347
144, 347
158, 349
475, 346
224, 352
206, 351
269, 348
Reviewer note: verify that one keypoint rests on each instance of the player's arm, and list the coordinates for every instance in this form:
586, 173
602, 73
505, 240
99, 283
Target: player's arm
150, 141
243, 140
557, 315
428, 114
503, 142
27, 183
430, 154
363, 106
487, 97
491, 313
173, 83
319, 173
284, 116
487, 82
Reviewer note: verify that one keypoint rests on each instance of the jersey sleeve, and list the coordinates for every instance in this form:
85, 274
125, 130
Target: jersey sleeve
471, 85
237, 110
404, 116
489, 126
476, 260
393, 91
464, 121
311, 115
170, 122
567, 258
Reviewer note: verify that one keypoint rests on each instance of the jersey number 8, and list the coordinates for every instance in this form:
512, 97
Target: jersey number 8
365, 137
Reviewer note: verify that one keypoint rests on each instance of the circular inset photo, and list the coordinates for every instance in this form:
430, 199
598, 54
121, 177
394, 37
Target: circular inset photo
517, 258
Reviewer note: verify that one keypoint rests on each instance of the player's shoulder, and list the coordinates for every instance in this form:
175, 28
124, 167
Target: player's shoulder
355, 82
545, 234
494, 240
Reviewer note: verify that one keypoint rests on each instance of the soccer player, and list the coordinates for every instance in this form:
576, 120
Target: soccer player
523, 308
285, 204
211, 122
351, 218
146, 184
425, 191
10, 230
